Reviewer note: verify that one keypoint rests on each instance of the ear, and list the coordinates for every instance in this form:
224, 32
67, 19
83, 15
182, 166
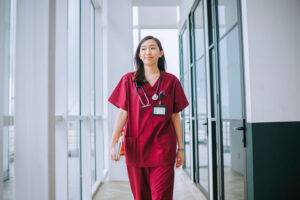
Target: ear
161, 54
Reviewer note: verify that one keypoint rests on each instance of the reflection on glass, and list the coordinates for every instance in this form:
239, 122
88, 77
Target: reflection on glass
231, 106
199, 31
202, 128
230, 75
227, 15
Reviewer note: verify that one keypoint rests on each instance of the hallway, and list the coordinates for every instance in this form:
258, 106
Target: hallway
184, 189
236, 60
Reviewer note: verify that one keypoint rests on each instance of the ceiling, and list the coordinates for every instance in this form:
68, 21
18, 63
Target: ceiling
156, 2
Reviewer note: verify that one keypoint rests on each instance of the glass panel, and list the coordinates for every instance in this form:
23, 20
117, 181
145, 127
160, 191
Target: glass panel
202, 127
135, 39
169, 40
135, 15
5, 147
73, 58
227, 15
74, 161
8, 130
93, 151
93, 127
185, 50
6, 85
230, 75
74, 187
9, 178
199, 31
187, 128
185, 74
232, 116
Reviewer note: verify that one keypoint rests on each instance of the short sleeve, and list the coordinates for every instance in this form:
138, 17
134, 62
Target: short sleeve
119, 95
180, 100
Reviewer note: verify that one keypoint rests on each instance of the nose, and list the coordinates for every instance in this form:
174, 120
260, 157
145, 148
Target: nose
148, 51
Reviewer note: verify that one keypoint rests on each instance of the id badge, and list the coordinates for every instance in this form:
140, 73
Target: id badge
159, 110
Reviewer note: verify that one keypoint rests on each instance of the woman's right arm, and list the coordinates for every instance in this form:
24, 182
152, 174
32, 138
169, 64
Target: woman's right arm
119, 124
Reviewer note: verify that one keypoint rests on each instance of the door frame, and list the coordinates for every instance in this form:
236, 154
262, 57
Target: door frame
219, 132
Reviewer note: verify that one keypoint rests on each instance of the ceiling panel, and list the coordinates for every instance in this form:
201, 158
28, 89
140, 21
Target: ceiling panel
156, 2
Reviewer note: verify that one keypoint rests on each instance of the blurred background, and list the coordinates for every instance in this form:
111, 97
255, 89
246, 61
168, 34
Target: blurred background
238, 61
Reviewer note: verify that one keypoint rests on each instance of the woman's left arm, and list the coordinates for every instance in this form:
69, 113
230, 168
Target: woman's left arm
177, 125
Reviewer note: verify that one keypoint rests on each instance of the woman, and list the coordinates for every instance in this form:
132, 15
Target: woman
149, 102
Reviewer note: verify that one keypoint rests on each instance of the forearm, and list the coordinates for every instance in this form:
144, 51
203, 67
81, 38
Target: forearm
177, 125
118, 126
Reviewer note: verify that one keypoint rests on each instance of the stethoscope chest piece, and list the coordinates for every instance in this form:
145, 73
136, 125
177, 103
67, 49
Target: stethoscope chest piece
154, 97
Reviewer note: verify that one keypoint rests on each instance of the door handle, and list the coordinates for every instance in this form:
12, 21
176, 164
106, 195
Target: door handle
240, 128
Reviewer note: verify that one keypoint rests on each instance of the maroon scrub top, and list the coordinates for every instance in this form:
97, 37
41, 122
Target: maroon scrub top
150, 140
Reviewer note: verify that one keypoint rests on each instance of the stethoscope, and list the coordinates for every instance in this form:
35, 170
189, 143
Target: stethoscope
154, 97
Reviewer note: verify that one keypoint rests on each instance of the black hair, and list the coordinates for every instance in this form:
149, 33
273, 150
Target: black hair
139, 75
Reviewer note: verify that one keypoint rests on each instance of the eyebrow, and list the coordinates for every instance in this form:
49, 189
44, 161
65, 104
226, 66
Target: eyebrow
149, 45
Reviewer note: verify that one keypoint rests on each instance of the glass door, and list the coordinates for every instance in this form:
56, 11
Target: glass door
232, 115
185, 80
200, 103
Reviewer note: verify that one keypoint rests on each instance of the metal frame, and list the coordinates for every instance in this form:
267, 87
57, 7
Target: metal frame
216, 42
213, 88
194, 83
184, 28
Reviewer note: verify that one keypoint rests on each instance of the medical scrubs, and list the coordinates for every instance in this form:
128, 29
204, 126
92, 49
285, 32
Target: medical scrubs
150, 140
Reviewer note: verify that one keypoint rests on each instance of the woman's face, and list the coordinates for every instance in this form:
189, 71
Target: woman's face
150, 53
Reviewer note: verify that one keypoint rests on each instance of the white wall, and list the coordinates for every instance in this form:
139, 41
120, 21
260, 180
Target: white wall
272, 58
34, 116
156, 2
153, 17
117, 60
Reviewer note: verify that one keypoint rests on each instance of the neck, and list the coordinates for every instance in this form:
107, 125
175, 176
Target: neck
151, 70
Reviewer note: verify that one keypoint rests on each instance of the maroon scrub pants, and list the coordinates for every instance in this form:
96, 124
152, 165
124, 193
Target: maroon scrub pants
151, 183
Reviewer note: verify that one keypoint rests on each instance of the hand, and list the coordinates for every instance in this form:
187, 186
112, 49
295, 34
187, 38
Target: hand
179, 159
113, 154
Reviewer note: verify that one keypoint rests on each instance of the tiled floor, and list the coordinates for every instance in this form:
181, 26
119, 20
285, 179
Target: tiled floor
184, 189
234, 185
